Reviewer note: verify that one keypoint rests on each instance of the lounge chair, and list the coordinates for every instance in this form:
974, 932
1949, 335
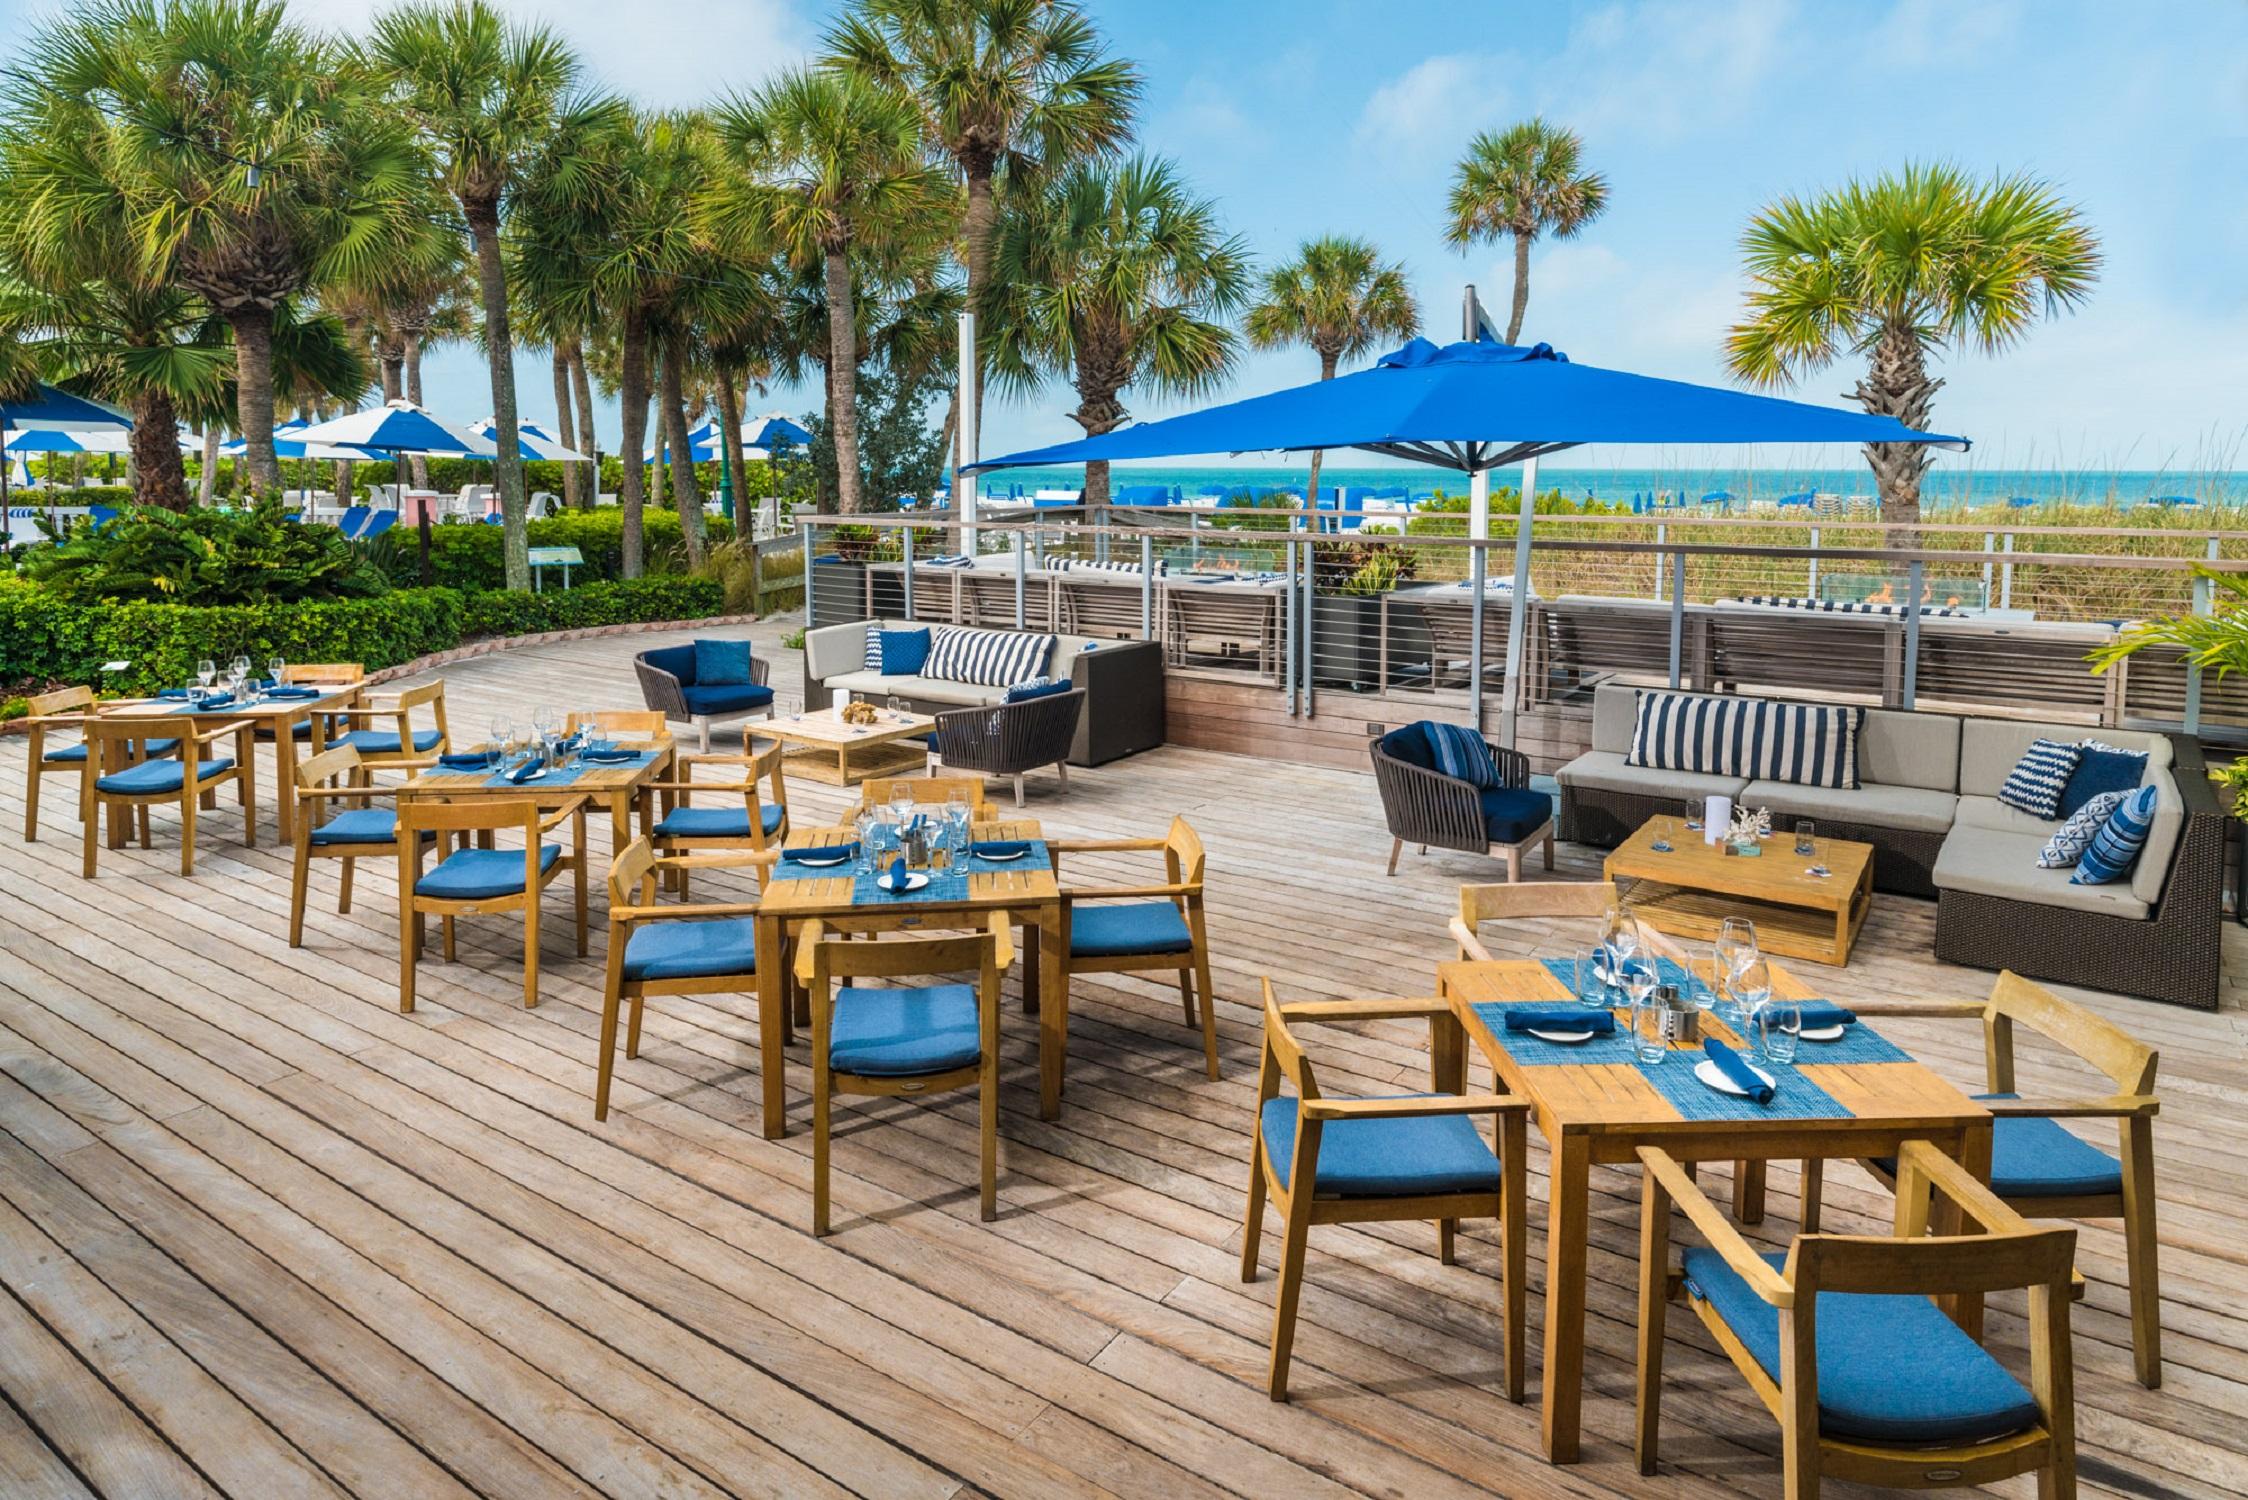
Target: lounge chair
353, 521
378, 523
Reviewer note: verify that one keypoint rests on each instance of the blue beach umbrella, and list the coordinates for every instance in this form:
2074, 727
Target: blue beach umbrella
286, 444
399, 427
531, 441
769, 433
50, 409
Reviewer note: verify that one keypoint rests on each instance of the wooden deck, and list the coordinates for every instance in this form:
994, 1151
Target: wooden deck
262, 1235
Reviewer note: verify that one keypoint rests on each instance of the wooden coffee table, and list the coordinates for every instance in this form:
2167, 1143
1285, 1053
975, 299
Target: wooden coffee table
840, 754
1691, 890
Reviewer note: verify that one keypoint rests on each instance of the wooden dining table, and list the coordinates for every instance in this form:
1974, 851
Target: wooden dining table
1596, 1107
1030, 896
623, 789
277, 717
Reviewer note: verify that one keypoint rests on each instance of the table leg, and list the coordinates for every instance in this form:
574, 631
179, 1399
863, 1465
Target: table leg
620, 821
1053, 1013
1748, 1191
284, 782
772, 995
1567, 1226
1033, 963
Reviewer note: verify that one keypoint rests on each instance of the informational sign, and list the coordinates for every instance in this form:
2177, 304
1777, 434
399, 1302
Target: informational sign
564, 558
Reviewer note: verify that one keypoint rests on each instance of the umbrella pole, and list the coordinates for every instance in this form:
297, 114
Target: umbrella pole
1478, 566
1519, 605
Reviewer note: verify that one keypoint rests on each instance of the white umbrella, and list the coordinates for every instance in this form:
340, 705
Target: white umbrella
399, 427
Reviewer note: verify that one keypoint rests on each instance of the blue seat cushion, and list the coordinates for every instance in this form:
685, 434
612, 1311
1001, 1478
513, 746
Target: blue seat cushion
1401, 1157
2033, 1157
75, 755
679, 661
726, 700
1409, 743
1892, 1368
1129, 928
481, 874
363, 825
722, 663
900, 1032
153, 776
385, 741
718, 822
690, 949
1511, 814
1038, 687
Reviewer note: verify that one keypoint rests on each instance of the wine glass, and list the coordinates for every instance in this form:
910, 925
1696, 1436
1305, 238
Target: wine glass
275, 665
206, 671
1752, 988
1734, 947
1619, 940
239, 668
901, 803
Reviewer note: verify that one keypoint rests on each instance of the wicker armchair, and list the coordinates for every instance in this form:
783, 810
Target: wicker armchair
1426, 807
667, 685
1008, 739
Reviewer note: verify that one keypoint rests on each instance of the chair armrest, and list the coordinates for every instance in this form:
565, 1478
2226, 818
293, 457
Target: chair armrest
1470, 944
2119, 1106
1925, 1009
1365, 1010
1003, 940
807, 942
1097, 846
733, 859
698, 786
1767, 1283
1395, 1109
372, 789
567, 810
1921, 1162
222, 731
1105, 892
683, 913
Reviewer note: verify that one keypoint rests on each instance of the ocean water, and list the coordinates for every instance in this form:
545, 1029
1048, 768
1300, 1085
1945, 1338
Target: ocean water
1941, 489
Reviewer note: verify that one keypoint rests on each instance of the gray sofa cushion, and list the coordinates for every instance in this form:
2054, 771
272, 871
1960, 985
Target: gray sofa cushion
922, 689
1910, 750
1994, 815
1615, 712
1907, 807
1986, 862
2153, 867
1605, 771
1988, 748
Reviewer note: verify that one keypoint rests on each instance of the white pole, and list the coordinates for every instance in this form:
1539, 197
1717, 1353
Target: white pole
963, 484
1518, 606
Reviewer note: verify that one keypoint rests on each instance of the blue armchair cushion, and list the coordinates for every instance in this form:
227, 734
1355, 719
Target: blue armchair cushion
896, 1033
365, 825
156, 776
1128, 929
731, 822
1892, 1368
1038, 687
1401, 1157
385, 741
679, 661
482, 874
2102, 768
1409, 743
721, 663
1511, 814
75, 755
691, 949
726, 700
1461, 753
2034, 1157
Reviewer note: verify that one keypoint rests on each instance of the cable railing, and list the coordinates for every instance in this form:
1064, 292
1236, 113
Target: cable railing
1965, 618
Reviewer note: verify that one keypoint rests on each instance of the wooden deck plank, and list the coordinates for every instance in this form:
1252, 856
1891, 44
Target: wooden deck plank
418, 1215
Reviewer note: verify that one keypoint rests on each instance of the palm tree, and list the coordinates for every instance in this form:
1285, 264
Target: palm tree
1005, 88
1895, 269
496, 101
831, 172
1524, 181
1337, 297
250, 161
1116, 277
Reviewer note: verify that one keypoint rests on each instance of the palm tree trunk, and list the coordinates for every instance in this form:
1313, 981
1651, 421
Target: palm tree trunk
980, 227
730, 448
253, 378
390, 360
1521, 287
159, 473
951, 435
207, 482
1897, 385
499, 346
563, 422
843, 384
632, 401
685, 493
581, 386
1327, 363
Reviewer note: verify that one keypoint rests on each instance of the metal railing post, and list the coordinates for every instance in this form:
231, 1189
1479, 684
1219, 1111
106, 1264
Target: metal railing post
1914, 584
2006, 577
1288, 647
1478, 566
1990, 544
1310, 624
907, 555
1147, 588
1677, 616
1021, 579
1811, 587
810, 534
1662, 534
2201, 603
1194, 539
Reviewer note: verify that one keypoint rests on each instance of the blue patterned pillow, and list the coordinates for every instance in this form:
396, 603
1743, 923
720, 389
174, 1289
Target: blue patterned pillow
2039, 777
1460, 752
2067, 845
2115, 848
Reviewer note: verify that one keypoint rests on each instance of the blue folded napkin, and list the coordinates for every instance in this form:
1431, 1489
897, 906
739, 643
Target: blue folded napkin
465, 760
609, 757
1560, 1018
1737, 1071
292, 692
1818, 1013
1000, 848
172, 693
821, 852
530, 770
217, 700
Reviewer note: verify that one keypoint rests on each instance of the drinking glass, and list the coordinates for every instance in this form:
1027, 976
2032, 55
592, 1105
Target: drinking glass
901, 802
1648, 1043
1806, 838
1694, 812
1752, 990
274, 667
206, 671
1592, 990
864, 826
1661, 844
240, 666
896, 706
1779, 1026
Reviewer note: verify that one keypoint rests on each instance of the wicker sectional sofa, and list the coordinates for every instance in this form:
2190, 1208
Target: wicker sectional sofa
1122, 682
1928, 804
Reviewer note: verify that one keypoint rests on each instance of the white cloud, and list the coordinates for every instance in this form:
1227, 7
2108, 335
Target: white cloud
1434, 105
1924, 33
1667, 69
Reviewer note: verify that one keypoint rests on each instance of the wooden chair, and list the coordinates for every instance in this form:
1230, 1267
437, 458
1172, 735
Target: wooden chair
667, 950
753, 824
1358, 1161
319, 674
469, 882
1868, 1379
648, 722
1154, 927
1545, 898
125, 778
65, 709
904, 1040
389, 739
929, 791
2041, 1169
358, 832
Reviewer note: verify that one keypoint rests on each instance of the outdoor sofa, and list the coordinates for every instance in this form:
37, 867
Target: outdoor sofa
1927, 801
1122, 682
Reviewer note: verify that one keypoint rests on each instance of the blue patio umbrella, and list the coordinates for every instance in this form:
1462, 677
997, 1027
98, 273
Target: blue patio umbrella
769, 433
394, 429
1479, 406
47, 408
85, 440
286, 444
531, 441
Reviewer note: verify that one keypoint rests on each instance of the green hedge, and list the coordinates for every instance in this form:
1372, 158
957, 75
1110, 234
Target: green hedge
46, 640
118, 495
469, 557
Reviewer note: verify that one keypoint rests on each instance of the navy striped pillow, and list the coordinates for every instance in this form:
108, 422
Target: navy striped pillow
2039, 777
988, 658
1808, 744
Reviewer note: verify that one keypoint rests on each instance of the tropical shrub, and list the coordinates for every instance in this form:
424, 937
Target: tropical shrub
510, 612
468, 557
249, 556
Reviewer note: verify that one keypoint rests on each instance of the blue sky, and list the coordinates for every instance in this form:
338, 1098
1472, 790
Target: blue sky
1313, 116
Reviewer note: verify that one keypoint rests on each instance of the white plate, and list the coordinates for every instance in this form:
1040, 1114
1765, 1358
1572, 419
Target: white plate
1706, 1071
1823, 1033
1000, 859
822, 864
1562, 1038
914, 881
